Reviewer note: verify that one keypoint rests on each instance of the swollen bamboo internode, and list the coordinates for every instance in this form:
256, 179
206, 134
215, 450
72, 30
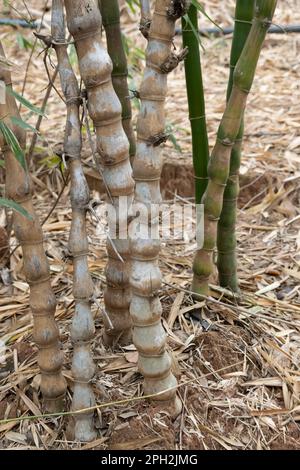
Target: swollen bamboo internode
219, 164
82, 331
84, 23
227, 259
148, 334
36, 267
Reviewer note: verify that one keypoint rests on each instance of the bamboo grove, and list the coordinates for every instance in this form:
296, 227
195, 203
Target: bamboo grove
130, 164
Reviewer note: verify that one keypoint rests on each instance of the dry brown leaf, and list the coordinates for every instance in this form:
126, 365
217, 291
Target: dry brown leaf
175, 309
93, 444
135, 443
132, 357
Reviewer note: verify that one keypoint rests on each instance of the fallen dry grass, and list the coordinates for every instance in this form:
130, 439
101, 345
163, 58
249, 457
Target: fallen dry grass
237, 359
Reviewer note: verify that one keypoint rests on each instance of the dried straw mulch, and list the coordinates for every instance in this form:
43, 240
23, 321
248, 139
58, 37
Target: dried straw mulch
237, 359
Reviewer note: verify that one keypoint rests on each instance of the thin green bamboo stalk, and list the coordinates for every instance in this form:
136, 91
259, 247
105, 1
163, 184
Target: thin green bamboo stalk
194, 86
110, 13
227, 258
219, 165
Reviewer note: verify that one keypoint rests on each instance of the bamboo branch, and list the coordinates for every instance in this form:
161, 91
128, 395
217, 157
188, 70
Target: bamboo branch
82, 331
226, 242
111, 21
84, 23
219, 164
36, 267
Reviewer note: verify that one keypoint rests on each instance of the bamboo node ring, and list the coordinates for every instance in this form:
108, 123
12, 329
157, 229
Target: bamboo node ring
197, 117
39, 281
79, 254
145, 180
91, 33
90, 86
31, 242
142, 259
160, 98
74, 100
201, 178
226, 252
226, 142
236, 20
146, 325
107, 122
158, 37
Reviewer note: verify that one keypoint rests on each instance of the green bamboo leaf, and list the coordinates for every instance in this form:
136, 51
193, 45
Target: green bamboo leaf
10, 204
139, 53
24, 101
174, 141
2, 163
201, 9
12, 141
132, 4
196, 33
51, 161
23, 124
23, 43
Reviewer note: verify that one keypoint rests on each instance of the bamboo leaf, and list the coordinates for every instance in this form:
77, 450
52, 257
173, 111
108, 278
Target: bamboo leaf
2, 164
201, 9
23, 43
23, 124
132, 4
24, 101
10, 204
194, 30
51, 161
12, 141
172, 138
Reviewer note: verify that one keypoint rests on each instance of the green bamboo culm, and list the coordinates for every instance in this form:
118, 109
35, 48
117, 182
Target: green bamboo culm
110, 13
219, 164
195, 94
227, 258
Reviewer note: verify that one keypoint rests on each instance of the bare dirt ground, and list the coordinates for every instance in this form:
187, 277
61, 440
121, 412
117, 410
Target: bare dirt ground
240, 380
